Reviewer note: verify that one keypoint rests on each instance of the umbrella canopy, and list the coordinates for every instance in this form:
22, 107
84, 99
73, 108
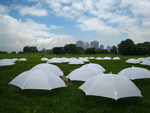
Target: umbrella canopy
76, 62
110, 86
44, 59
99, 58
116, 58
147, 62
84, 59
22, 59
135, 73
38, 79
84, 73
95, 66
6, 62
132, 60
106, 58
49, 67
91, 58
54, 60
141, 59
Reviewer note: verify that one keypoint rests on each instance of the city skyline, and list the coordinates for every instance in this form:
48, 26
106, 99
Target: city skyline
53, 23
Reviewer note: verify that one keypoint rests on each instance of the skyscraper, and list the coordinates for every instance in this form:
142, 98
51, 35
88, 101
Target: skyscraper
108, 48
80, 43
101, 47
87, 45
95, 44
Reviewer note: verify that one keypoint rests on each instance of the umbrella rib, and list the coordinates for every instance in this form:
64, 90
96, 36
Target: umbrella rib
47, 81
114, 86
25, 82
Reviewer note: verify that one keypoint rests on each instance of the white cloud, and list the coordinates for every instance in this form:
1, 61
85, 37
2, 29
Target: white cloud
17, 34
33, 10
4, 9
55, 27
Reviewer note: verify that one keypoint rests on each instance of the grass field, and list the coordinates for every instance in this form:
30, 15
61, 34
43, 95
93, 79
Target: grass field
69, 99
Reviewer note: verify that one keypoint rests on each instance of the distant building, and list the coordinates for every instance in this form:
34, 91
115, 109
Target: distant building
95, 44
87, 45
108, 48
80, 43
101, 47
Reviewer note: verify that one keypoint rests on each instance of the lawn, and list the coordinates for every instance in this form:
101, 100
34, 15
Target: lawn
69, 99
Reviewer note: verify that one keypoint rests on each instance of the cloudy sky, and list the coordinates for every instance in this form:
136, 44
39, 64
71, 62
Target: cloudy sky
49, 23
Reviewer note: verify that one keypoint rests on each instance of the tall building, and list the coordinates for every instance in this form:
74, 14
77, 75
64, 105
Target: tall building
95, 44
80, 43
108, 48
101, 47
87, 45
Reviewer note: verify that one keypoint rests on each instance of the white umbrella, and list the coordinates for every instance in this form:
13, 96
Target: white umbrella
95, 66
106, 58
110, 86
99, 58
54, 60
84, 59
84, 73
147, 62
49, 67
132, 60
116, 58
22, 59
141, 59
91, 58
44, 59
38, 79
76, 62
135, 73
6, 62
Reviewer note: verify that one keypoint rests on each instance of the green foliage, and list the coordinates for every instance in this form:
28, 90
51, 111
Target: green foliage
128, 47
58, 50
13, 52
27, 49
90, 51
71, 48
81, 50
103, 51
3, 52
113, 50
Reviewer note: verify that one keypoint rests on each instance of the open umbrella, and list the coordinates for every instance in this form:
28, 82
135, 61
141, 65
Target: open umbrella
44, 59
95, 66
22, 59
49, 67
6, 62
83, 73
76, 61
38, 79
106, 58
135, 73
133, 61
110, 86
116, 58
147, 62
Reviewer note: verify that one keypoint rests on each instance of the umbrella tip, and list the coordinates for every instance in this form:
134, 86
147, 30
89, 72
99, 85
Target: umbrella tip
110, 72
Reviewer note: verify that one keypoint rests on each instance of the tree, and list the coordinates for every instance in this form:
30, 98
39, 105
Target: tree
104, 51
124, 48
72, 48
30, 49
81, 50
113, 50
58, 50
90, 51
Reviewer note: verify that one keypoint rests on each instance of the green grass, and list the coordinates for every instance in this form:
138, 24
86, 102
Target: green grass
69, 99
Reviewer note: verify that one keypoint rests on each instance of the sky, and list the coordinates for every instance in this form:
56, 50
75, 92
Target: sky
54, 23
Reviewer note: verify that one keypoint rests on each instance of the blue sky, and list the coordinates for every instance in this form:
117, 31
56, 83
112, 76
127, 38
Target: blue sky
49, 23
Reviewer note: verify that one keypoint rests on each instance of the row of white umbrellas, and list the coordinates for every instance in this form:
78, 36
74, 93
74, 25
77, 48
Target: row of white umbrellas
143, 61
43, 76
8, 62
